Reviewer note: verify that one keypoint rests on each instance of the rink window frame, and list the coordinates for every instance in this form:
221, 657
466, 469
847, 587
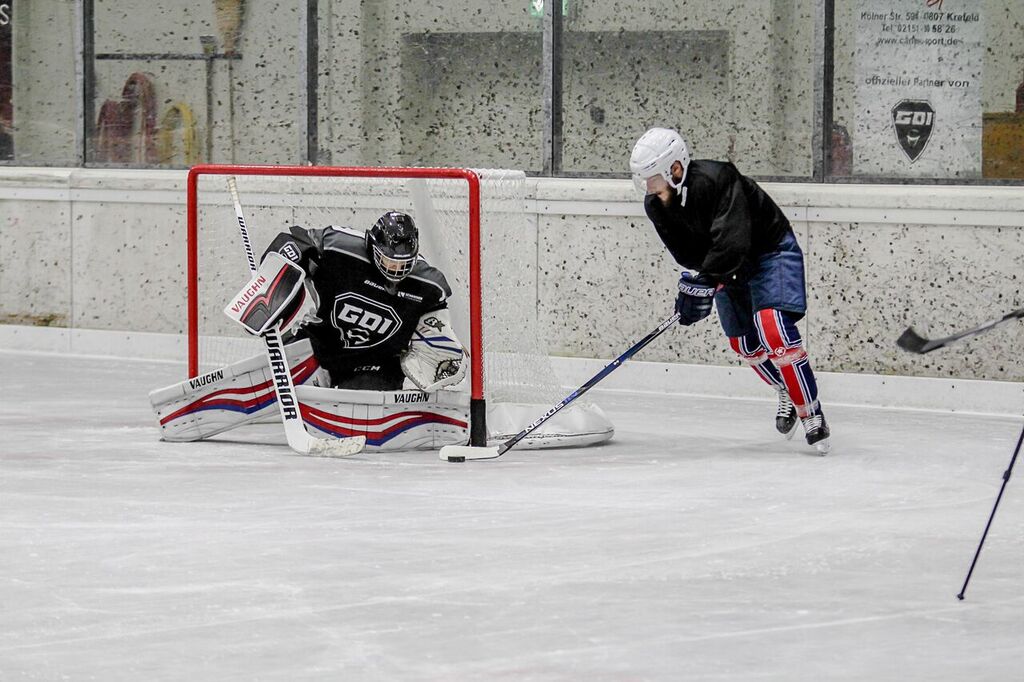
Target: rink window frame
553, 25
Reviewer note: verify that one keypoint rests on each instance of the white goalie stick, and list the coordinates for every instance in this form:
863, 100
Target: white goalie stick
460, 453
295, 430
913, 342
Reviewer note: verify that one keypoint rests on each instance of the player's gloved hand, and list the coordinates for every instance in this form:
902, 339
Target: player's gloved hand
696, 292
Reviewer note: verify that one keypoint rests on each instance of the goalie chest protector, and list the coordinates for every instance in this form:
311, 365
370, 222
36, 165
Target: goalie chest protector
366, 318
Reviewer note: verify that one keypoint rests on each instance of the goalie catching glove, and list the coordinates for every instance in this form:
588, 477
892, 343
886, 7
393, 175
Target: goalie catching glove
273, 295
435, 357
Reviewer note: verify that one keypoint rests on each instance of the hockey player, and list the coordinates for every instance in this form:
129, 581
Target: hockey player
738, 250
382, 313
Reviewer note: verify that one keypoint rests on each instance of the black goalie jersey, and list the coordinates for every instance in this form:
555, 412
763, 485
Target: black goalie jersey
366, 320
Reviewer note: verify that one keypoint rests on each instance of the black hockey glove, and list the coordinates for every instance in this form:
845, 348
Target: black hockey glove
696, 292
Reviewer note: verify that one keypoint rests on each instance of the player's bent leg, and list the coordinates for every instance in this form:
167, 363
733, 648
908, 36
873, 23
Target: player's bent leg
752, 352
779, 334
228, 397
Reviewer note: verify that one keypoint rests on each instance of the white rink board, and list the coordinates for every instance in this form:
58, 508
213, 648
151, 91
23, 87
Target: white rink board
736, 381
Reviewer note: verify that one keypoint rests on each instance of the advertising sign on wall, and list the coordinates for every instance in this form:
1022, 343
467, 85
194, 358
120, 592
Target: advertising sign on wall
918, 88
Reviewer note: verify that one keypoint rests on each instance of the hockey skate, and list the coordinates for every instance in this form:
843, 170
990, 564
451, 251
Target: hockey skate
785, 415
817, 433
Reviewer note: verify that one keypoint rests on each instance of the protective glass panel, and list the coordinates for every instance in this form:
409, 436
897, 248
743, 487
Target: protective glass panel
430, 83
38, 86
735, 78
929, 89
180, 83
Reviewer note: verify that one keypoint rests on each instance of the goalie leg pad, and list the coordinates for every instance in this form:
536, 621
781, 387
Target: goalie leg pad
241, 393
390, 420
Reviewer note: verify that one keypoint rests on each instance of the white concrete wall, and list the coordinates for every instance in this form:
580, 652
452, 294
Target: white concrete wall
105, 250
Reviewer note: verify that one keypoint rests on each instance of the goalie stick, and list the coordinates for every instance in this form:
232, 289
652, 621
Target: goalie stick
295, 430
460, 453
913, 342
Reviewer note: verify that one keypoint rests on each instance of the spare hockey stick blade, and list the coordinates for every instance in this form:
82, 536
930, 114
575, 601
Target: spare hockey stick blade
460, 453
915, 343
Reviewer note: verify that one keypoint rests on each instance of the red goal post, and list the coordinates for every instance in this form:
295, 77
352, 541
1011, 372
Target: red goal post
478, 433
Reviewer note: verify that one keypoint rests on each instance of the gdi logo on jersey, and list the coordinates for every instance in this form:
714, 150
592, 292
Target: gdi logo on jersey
363, 322
912, 120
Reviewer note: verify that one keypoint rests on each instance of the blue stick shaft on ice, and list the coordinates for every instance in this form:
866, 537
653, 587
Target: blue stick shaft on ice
608, 369
460, 453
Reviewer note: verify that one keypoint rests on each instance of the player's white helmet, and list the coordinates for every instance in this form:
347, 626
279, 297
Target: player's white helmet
654, 153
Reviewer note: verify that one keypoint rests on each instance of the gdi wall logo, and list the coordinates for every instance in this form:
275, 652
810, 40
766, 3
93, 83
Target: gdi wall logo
912, 120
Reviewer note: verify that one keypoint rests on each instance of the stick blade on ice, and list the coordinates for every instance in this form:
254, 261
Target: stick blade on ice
461, 453
340, 447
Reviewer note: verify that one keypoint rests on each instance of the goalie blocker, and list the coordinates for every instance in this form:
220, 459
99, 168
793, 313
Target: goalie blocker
275, 293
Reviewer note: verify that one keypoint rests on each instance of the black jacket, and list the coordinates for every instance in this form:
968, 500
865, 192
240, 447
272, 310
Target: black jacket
727, 223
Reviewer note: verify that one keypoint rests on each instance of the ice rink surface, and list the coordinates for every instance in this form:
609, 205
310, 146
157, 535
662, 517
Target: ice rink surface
697, 545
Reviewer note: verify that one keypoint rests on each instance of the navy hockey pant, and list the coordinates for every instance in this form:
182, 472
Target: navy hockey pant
760, 317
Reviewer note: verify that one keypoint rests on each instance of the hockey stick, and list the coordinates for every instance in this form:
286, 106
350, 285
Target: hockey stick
911, 341
1006, 478
294, 429
460, 453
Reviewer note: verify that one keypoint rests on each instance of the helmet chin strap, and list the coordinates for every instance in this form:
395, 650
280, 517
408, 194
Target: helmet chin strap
678, 186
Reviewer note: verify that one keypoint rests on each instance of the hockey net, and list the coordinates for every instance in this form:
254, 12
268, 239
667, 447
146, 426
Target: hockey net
473, 227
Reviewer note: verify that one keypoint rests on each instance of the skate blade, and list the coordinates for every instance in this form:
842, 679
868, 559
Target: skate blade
789, 434
823, 447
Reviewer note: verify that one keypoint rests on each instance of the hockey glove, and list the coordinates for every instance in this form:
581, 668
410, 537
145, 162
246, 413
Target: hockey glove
435, 358
696, 292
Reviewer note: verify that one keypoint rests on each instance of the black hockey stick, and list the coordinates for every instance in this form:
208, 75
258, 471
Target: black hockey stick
911, 341
460, 453
1006, 478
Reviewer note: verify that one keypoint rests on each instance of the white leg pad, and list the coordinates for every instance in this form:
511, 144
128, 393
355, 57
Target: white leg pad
226, 398
390, 420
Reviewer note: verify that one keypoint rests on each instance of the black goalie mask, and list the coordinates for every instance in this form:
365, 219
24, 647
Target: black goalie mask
394, 243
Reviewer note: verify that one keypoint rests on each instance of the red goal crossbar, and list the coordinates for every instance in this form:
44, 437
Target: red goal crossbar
476, 336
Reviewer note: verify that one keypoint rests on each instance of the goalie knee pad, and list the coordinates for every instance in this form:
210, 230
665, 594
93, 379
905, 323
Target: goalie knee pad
435, 357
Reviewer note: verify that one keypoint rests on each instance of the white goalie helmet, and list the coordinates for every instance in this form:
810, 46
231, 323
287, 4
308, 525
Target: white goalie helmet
654, 153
